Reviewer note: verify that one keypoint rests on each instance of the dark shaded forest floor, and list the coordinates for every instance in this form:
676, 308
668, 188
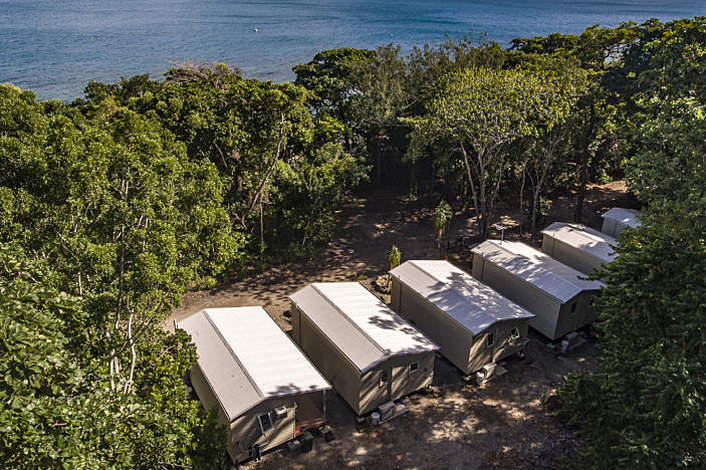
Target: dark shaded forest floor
501, 424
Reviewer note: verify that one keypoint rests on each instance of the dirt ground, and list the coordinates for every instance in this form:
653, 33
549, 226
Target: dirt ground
502, 424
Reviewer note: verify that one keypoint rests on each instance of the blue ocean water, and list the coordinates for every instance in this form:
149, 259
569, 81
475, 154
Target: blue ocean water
54, 47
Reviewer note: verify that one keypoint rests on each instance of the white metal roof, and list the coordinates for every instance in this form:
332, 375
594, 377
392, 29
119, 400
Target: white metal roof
466, 300
533, 266
246, 358
593, 242
362, 326
626, 217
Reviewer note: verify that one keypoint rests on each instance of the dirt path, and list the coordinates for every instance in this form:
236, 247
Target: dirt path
502, 424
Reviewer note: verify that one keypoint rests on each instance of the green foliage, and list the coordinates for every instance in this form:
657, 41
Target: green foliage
665, 69
332, 76
476, 117
645, 407
442, 217
109, 209
304, 196
262, 139
394, 257
59, 411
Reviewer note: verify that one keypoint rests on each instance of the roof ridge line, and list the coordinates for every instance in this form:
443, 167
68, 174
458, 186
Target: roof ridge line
350, 320
235, 356
480, 307
545, 270
431, 275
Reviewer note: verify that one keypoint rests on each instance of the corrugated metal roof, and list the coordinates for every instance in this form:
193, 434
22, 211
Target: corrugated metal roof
466, 300
535, 267
593, 242
624, 216
362, 326
247, 358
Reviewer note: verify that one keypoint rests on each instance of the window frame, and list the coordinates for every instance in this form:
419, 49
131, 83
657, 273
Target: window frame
413, 367
514, 332
269, 419
490, 340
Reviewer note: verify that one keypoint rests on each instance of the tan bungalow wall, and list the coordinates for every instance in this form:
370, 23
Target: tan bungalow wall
584, 314
341, 373
401, 382
503, 343
454, 340
570, 255
458, 345
545, 307
612, 228
245, 431
362, 393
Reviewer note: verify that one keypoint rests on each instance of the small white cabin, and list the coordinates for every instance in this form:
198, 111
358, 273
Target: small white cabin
618, 219
265, 390
578, 246
473, 324
557, 294
371, 355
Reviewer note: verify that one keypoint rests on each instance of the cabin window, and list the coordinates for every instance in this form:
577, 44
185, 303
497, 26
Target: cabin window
515, 333
573, 307
414, 367
384, 378
490, 340
265, 421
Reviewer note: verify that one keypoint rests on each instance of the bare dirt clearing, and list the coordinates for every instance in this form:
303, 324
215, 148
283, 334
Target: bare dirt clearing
501, 424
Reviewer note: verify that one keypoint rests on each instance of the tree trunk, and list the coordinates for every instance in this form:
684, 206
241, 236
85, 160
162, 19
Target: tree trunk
533, 222
583, 181
584, 173
522, 191
472, 184
258, 194
482, 199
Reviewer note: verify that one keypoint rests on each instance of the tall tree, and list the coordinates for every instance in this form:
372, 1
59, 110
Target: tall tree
646, 405
478, 113
600, 130
124, 220
562, 86
665, 69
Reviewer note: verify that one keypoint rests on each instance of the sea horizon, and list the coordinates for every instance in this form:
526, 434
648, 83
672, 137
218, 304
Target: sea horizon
54, 49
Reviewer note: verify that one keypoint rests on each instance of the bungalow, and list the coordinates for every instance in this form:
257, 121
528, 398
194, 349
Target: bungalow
262, 386
557, 294
371, 355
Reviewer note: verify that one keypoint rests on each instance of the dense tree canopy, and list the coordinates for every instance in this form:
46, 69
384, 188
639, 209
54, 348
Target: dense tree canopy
645, 407
113, 206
